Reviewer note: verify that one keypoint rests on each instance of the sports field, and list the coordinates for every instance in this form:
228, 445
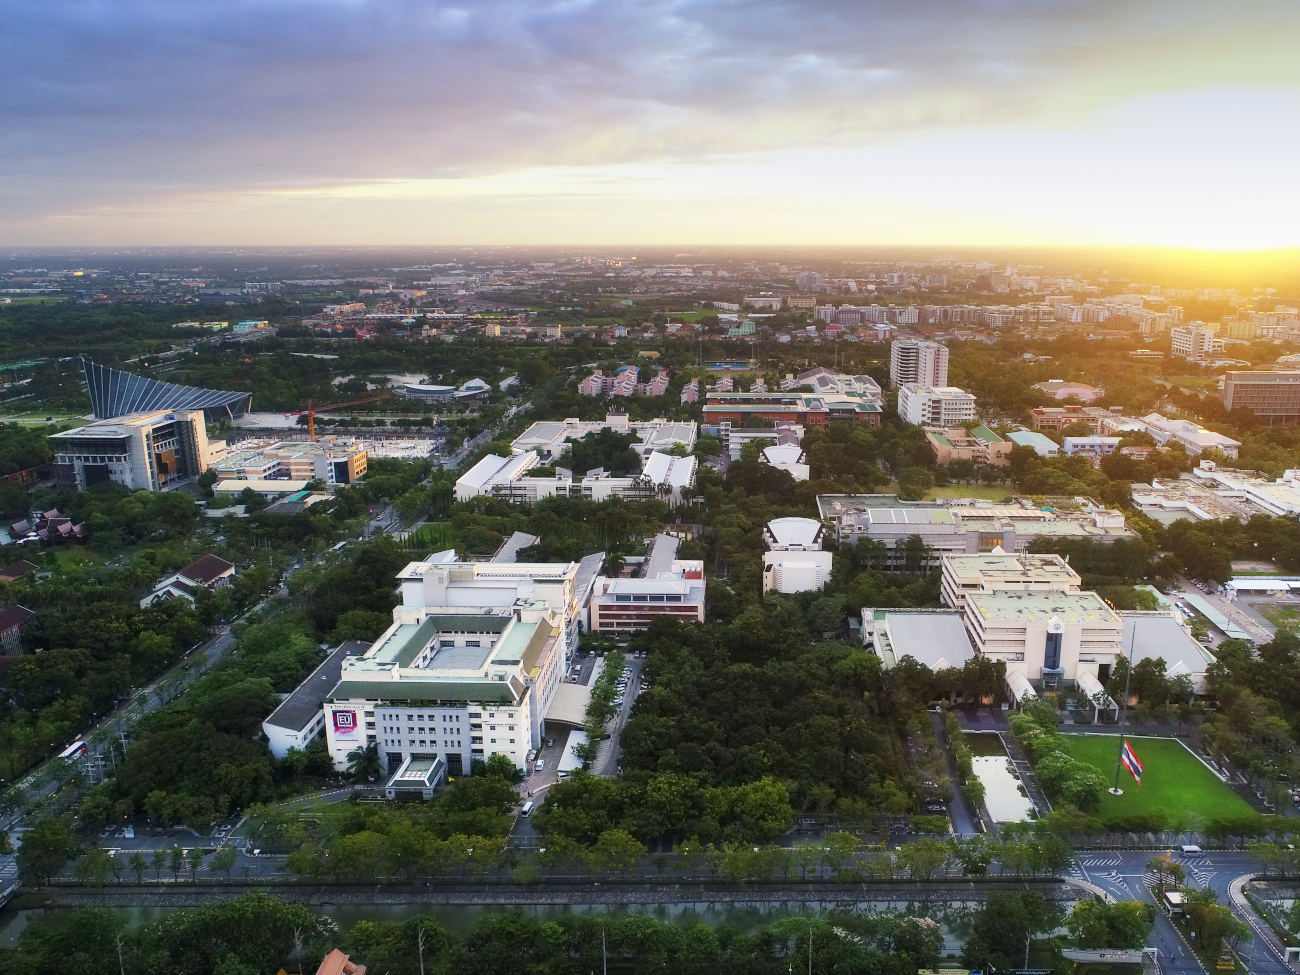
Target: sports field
1173, 780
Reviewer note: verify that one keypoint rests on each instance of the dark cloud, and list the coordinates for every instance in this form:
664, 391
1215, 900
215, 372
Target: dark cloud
108, 98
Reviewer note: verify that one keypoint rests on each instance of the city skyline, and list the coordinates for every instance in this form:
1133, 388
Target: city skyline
695, 123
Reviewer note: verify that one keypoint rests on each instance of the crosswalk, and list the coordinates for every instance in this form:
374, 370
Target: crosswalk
1098, 861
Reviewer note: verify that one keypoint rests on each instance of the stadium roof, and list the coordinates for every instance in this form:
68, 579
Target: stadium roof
115, 393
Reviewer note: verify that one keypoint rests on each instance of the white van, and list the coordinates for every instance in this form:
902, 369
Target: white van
528, 808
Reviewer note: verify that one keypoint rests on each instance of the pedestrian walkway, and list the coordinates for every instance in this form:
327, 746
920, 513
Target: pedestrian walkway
1026, 772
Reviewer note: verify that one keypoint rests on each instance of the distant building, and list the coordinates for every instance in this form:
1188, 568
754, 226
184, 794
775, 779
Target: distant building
1194, 341
805, 409
474, 389
141, 451
918, 361
979, 445
935, 406
1194, 437
1091, 445
1274, 397
795, 560
1041, 445
1060, 389
965, 526
628, 605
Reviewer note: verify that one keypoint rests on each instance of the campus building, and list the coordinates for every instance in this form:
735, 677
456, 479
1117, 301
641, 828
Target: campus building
142, 451
795, 560
550, 437
918, 361
662, 476
668, 587
1274, 397
935, 406
332, 460
979, 445
114, 393
805, 409
1028, 612
965, 526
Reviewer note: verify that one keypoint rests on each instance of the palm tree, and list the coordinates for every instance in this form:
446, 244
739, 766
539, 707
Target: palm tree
363, 763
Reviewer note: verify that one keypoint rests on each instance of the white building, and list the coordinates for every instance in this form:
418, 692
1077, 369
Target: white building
999, 571
1191, 435
1194, 341
795, 560
141, 451
918, 361
789, 458
549, 437
662, 476
1091, 446
668, 587
935, 406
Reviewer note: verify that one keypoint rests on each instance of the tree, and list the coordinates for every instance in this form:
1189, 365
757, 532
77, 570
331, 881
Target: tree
45, 848
177, 860
93, 867
1167, 873
363, 763
159, 860
195, 859
1003, 928
138, 865
1096, 924
224, 859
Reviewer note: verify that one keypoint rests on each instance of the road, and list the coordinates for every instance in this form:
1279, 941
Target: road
1122, 874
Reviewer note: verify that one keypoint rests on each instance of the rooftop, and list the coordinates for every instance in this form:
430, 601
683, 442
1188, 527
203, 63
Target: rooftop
1039, 607
303, 706
935, 638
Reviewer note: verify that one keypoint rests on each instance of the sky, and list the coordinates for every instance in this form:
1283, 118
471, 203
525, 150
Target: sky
797, 122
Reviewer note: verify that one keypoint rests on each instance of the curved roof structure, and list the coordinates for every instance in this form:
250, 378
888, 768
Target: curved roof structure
117, 393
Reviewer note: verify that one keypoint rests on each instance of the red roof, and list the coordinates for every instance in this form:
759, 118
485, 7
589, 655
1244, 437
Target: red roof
207, 569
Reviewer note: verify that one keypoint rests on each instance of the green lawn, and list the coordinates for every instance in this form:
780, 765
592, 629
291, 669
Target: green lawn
1284, 618
1174, 780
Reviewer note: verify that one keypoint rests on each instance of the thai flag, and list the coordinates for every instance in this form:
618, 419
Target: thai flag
1128, 757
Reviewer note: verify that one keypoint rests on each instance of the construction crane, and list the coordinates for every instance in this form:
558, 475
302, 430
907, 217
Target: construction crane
311, 411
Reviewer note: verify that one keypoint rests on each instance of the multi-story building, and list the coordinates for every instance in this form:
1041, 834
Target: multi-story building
935, 406
809, 281
668, 587
965, 526
1059, 417
443, 688
806, 409
1274, 397
142, 451
1194, 437
333, 460
662, 476
1002, 572
979, 445
549, 437
795, 560
1028, 612
918, 361
1194, 341
1091, 446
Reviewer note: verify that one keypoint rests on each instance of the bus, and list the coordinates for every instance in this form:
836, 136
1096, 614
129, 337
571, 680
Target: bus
75, 750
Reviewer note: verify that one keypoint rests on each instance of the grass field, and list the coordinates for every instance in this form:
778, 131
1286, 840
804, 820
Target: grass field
1173, 780
1284, 618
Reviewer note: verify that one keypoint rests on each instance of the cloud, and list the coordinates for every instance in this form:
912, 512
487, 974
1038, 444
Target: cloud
118, 102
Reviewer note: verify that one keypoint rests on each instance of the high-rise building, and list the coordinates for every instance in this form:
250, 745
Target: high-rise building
918, 361
1274, 397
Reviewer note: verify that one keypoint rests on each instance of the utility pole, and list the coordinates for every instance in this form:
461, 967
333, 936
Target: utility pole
1123, 714
604, 956
420, 945
810, 937
121, 966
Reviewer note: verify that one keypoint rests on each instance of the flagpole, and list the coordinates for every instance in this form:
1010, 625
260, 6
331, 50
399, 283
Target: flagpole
1123, 711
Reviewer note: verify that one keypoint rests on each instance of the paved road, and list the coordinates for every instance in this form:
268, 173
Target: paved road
1122, 875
